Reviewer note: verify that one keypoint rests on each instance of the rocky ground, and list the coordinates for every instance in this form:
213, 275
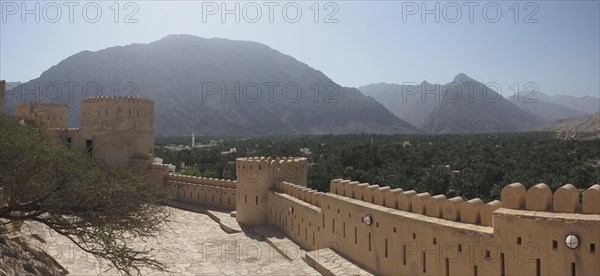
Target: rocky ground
17, 257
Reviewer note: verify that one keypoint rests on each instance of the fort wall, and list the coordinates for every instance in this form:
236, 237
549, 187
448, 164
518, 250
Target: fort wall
202, 191
391, 231
49, 115
117, 129
256, 177
439, 241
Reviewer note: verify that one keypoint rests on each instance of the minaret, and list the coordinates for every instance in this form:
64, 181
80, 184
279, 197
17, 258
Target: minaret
193, 139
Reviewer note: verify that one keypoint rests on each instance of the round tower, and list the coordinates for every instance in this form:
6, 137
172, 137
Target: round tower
254, 182
117, 129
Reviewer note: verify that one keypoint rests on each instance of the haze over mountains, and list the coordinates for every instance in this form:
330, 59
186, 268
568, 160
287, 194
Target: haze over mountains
225, 87
220, 87
438, 108
550, 109
405, 101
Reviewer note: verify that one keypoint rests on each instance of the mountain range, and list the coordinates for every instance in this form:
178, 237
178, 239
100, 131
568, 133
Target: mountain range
552, 108
226, 87
219, 87
465, 105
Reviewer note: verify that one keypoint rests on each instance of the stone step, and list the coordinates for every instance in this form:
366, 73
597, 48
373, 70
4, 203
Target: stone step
278, 240
329, 262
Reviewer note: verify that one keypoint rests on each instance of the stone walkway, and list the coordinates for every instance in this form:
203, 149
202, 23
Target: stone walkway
328, 262
193, 244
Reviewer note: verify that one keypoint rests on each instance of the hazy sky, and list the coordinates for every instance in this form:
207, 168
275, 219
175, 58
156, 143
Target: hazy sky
555, 44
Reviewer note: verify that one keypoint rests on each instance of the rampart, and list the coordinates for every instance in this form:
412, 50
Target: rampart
202, 191
391, 231
118, 130
49, 115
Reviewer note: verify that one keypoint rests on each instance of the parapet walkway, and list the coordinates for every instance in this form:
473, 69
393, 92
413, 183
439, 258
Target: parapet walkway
228, 223
192, 244
326, 261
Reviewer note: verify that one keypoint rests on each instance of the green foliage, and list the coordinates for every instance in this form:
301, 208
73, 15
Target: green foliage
101, 208
471, 166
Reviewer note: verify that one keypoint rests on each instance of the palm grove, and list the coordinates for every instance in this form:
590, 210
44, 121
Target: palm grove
470, 166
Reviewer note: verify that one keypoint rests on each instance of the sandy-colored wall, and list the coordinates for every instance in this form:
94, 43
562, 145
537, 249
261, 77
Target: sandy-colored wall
121, 128
425, 239
46, 114
256, 177
62, 136
202, 191
212, 196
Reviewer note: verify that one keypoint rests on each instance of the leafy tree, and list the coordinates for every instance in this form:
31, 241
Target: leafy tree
101, 208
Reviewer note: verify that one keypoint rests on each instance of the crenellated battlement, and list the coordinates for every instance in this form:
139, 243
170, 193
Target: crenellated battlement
473, 211
117, 99
392, 231
272, 170
42, 104
307, 195
222, 183
159, 167
540, 198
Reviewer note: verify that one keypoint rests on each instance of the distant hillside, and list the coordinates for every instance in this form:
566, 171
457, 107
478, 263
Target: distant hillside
578, 128
451, 111
586, 104
544, 107
403, 101
222, 87
483, 111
